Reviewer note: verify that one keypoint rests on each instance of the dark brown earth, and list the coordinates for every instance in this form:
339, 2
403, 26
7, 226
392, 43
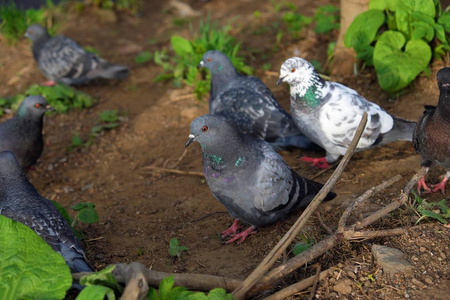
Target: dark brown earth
140, 211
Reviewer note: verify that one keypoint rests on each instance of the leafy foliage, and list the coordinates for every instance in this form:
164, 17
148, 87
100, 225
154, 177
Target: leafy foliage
61, 97
103, 277
96, 292
14, 22
435, 210
397, 37
29, 268
86, 213
167, 291
303, 245
132, 6
143, 57
175, 249
182, 67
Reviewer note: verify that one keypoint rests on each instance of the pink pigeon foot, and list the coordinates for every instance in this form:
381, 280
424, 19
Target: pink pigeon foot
241, 235
49, 83
422, 184
232, 230
440, 186
320, 162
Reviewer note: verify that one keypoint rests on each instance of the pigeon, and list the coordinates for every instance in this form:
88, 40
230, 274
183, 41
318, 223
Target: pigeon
22, 134
432, 134
250, 105
20, 201
329, 113
247, 176
63, 60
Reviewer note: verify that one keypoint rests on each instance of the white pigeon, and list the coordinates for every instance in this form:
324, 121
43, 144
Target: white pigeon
328, 113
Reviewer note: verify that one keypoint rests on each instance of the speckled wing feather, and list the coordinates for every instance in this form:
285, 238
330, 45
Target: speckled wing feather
341, 113
62, 59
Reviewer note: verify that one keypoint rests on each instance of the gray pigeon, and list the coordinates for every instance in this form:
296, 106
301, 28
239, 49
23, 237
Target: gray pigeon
247, 176
22, 134
329, 113
61, 59
432, 134
250, 105
20, 201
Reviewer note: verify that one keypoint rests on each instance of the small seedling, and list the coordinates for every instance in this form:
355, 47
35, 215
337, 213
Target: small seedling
303, 245
140, 251
174, 249
86, 213
143, 57
266, 67
435, 210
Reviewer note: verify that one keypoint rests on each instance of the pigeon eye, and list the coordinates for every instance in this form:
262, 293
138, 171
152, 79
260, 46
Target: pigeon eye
205, 128
31, 31
210, 60
37, 105
292, 70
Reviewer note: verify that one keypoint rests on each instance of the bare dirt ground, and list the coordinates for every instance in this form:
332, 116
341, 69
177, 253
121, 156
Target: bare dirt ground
141, 211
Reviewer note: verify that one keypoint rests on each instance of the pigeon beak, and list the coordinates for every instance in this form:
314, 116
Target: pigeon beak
190, 140
26, 34
200, 65
48, 107
280, 80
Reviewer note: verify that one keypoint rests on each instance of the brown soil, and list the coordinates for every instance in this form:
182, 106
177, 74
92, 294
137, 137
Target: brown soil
140, 211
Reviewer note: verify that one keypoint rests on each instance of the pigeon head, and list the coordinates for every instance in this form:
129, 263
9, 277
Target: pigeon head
213, 133
217, 63
9, 166
297, 71
36, 32
33, 107
443, 78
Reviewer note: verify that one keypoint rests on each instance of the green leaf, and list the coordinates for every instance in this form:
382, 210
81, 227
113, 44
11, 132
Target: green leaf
300, 247
422, 30
143, 57
76, 141
181, 46
165, 286
174, 249
444, 20
364, 28
430, 214
96, 292
103, 277
219, 294
440, 33
397, 68
109, 116
88, 214
29, 268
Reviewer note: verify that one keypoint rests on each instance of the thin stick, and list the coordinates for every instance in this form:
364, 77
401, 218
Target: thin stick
369, 193
299, 286
174, 171
320, 173
365, 235
394, 205
316, 281
270, 259
322, 223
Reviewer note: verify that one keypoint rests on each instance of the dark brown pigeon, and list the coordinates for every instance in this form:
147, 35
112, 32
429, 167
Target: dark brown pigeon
432, 134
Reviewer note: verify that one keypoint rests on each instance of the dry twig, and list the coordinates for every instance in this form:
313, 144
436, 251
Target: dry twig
174, 171
316, 281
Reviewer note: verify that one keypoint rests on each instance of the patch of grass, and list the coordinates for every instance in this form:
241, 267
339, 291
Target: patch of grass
181, 67
303, 245
131, 6
61, 97
14, 22
435, 210
143, 57
174, 249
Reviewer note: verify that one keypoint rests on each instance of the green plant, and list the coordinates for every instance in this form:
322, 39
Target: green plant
143, 57
60, 97
397, 37
295, 22
132, 6
29, 268
167, 291
14, 22
435, 210
303, 245
86, 213
182, 66
175, 249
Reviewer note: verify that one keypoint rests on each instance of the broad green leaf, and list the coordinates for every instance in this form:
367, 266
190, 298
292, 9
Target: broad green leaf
143, 57
103, 277
430, 214
109, 116
175, 249
402, 21
165, 286
300, 247
29, 268
397, 68
444, 20
96, 292
440, 33
383, 4
422, 30
364, 28
181, 46
219, 294
88, 214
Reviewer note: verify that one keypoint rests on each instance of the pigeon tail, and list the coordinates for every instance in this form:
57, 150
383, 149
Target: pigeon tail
401, 131
312, 188
299, 141
110, 71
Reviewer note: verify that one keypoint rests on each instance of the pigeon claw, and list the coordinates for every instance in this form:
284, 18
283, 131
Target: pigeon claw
241, 236
440, 186
48, 83
232, 230
422, 184
320, 162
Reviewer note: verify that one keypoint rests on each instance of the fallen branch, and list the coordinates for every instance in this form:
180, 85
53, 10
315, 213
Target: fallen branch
299, 286
174, 171
270, 259
316, 281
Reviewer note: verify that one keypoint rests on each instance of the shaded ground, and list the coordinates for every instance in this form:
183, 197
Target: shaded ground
141, 211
